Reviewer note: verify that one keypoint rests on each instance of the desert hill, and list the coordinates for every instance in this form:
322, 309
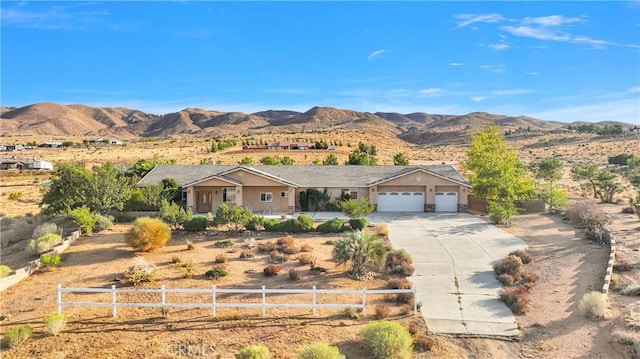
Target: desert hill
418, 128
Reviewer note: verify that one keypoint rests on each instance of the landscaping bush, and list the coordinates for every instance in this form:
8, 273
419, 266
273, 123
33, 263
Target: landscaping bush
332, 226
385, 339
267, 247
306, 248
190, 246
271, 270
218, 271
502, 212
5, 271
254, 223
196, 224
291, 249
226, 243
291, 225
139, 271
49, 260
285, 241
524, 255
55, 323
174, 214
382, 229
247, 254
222, 258
382, 312
14, 196
259, 351
306, 259
358, 223
506, 279
594, 305
104, 223
43, 229
18, 334
307, 222
423, 343
83, 217
270, 224
44, 243
404, 298
319, 350
516, 298
400, 283
294, 275
277, 257
587, 214
398, 261
511, 265
528, 279
148, 234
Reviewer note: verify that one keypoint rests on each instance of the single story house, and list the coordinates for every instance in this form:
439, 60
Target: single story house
286, 145
105, 141
26, 164
276, 189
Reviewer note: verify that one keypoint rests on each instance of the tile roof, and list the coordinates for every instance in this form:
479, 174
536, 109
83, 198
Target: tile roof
301, 176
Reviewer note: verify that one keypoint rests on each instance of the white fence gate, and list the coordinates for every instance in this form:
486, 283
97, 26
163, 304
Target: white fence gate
214, 304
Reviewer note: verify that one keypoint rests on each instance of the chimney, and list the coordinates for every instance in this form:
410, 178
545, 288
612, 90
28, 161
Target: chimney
212, 161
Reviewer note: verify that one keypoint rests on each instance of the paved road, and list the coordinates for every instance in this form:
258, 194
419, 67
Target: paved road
453, 255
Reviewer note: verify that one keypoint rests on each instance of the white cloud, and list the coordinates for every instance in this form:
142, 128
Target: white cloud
69, 16
468, 19
553, 20
500, 69
635, 89
499, 47
532, 73
376, 54
433, 91
456, 64
479, 98
510, 92
540, 33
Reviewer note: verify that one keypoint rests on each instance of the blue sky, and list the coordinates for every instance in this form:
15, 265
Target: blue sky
564, 61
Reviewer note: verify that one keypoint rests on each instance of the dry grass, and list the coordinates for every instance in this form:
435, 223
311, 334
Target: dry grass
594, 305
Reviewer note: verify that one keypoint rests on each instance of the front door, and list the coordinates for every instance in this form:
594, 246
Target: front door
203, 202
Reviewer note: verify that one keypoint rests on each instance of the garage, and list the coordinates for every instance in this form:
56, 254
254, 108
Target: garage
400, 201
446, 202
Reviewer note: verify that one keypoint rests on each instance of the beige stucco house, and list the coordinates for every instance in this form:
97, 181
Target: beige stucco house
276, 189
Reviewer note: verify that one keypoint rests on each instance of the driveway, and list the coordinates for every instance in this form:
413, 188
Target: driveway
453, 254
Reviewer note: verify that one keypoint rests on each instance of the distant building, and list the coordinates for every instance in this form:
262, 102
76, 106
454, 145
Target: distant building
9, 148
286, 145
105, 141
24, 164
51, 144
634, 131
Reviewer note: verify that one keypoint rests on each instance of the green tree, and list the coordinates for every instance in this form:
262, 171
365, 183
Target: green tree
362, 251
84, 218
606, 186
550, 171
142, 167
235, 217
364, 155
246, 161
399, 159
107, 189
287, 161
331, 160
67, 190
586, 172
356, 209
494, 170
268, 160
174, 214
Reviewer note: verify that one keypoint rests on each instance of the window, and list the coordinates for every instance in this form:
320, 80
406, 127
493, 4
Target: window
284, 194
350, 193
229, 195
266, 196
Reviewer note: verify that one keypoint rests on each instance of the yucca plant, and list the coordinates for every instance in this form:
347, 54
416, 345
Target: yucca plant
362, 251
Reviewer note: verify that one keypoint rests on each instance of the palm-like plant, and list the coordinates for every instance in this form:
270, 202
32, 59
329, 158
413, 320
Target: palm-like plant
363, 251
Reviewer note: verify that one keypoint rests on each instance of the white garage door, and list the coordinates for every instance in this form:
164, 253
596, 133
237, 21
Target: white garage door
446, 202
400, 201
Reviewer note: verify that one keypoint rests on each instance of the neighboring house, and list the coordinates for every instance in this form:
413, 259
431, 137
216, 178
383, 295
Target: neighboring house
10, 148
50, 144
105, 141
20, 164
277, 189
286, 145
634, 131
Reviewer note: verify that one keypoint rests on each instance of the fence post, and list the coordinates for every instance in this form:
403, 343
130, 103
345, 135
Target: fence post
264, 301
415, 300
59, 298
364, 302
164, 297
314, 300
113, 300
213, 300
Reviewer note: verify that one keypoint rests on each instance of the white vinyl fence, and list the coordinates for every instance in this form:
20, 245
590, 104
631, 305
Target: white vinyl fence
214, 304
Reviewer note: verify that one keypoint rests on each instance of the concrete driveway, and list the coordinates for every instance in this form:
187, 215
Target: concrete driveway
453, 254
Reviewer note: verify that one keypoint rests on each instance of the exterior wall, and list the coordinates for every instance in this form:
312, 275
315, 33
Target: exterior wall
334, 193
251, 198
428, 183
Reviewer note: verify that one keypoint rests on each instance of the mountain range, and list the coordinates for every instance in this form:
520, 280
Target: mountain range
81, 120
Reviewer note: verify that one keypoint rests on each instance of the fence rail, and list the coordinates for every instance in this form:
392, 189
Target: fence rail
214, 304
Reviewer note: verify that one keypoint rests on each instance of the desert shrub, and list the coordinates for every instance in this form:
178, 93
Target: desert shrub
587, 214
55, 323
84, 218
306, 221
511, 265
277, 257
258, 351
404, 298
218, 271
247, 254
18, 334
382, 312
352, 313
319, 350
254, 223
594, 305
44, 243
398, 261
627, 210
190, 246
524, 255
330, 242
399, 283
174, 214
291, 225
44, 228
226, 243
423, 343
385, 339
139, 271
176, 259
358, 223
528, 279
306, 259
382, 229
222, 258
14, 196
632, 290
294, 275
332, 226
267, 247
516, 298
49, 260
506, 279
318, 270
270, 224
196, 224
104, 223
502, 212
285, 241
292, 249
147, 234
271, 270
5, 271
306, 248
